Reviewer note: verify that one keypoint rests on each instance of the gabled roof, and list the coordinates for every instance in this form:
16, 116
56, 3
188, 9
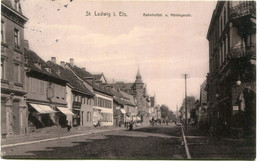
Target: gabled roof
126, 87
72, 79
33, 59
129, 99
97, 76
83, 74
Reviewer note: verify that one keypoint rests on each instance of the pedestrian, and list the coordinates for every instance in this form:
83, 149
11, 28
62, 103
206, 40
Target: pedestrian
68, 126
131, 126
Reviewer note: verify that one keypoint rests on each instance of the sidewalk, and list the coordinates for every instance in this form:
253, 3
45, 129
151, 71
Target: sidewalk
203, 147
53, 133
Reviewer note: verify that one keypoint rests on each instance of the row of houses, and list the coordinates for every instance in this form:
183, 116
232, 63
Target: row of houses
37, 94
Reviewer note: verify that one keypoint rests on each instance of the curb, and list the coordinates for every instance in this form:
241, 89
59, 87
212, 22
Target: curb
185, 143
55, 138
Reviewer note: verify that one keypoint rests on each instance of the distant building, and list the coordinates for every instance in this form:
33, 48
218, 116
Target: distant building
139, 92
13, 94
231, 81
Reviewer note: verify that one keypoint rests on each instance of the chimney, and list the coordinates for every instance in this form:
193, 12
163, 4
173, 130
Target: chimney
26, 44
84, 68
62, 63
53, 59
72, 62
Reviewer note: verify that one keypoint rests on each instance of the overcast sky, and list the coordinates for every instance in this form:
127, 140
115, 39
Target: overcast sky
164, 47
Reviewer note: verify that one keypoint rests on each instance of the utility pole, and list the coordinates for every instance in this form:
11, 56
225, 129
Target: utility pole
185, 76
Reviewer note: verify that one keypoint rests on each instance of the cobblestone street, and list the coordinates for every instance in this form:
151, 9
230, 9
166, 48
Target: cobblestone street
161, 142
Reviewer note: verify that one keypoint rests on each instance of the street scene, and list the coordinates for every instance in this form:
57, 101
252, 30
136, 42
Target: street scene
128, 80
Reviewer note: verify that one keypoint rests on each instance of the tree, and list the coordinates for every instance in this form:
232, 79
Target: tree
166, 113
190, 106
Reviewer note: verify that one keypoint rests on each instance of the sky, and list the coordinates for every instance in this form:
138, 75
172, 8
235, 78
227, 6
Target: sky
164, 47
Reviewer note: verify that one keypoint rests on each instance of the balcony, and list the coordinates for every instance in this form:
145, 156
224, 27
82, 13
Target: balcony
244, 9
242, 51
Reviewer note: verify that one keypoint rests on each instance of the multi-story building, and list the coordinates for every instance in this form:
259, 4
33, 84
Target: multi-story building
46, 93
13, 94
231, 80
80, 99
103, 99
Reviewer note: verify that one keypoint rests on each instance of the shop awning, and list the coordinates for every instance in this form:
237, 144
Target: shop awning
97, 115
65, 110
123, 111
127, 119
43, 109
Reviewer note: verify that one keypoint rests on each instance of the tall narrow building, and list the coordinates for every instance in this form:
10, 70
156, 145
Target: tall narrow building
13, 95
231, 81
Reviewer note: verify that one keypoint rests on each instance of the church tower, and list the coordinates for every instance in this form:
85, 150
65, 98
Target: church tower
139, 88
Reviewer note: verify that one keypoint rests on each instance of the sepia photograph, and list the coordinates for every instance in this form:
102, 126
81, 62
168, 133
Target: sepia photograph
128, 80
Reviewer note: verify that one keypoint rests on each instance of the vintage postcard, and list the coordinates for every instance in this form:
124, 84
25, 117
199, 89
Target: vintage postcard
154, 80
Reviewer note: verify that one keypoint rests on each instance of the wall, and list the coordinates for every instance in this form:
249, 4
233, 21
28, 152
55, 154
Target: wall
37, 90
69, 99
105, 111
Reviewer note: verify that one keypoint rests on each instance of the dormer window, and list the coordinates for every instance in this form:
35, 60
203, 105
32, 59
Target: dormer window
38, 65
26, 60
16, 5
48, 69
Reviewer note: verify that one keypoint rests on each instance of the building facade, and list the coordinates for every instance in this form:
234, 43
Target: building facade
103, 99
138, 91
80, 100
46, 93
13, 94
231, 81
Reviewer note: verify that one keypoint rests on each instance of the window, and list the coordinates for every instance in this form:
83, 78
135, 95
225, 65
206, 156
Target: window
224, 16
88, 116
95, 101
17, 73
41, 87
2, 68
17, 5
224, 50
2, 31
16, 38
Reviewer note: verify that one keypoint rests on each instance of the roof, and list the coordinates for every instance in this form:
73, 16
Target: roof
85, 74
97, 76
67, 74
33, 58
117, 97
126, 87
128, 99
